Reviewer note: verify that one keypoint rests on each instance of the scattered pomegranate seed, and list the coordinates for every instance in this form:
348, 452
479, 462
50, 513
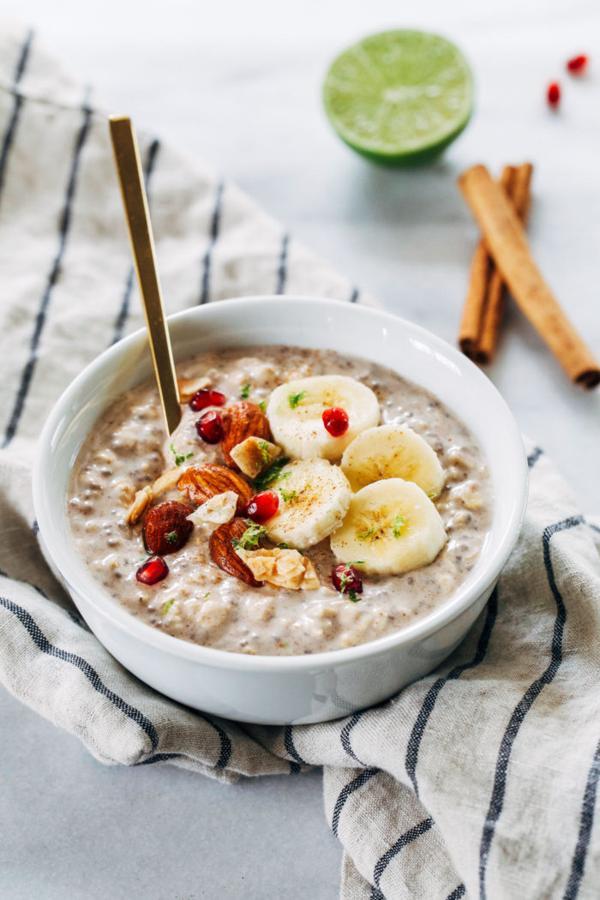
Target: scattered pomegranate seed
263, 506
335, 421
577, 64
152, 571
347, 580
210, 427
553, 94
205, 397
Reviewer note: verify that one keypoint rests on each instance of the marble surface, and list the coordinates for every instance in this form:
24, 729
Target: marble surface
72, 828
238, 85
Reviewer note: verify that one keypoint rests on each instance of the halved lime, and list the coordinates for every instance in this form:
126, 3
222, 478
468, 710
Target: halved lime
399, 97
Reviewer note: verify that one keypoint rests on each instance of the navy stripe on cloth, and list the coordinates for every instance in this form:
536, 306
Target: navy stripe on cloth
158, 758
524, 705
416, 736
354, 295
534, 456
353, 722
586, 824
457, 893
288, 740
346, 792
226, 748
40, 320
18, 98
345, 736
282, 265
43, 644
403, 841
121, 320
215, 225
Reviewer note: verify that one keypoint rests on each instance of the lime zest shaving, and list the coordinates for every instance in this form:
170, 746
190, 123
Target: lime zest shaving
288, 496
398, 526
296, 399
263, 446
251, 538
180, 458
272, 474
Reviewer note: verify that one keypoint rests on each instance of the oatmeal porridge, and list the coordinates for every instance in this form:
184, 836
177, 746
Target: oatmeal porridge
307, 501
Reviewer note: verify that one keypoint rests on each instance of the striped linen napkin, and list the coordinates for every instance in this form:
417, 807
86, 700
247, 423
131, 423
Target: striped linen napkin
479, 780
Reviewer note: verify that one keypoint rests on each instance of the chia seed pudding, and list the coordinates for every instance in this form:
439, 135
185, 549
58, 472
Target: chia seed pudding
200, 600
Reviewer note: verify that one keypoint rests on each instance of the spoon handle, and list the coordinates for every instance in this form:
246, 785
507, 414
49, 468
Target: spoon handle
129, 170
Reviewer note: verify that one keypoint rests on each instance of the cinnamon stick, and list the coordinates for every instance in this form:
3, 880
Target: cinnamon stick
482, 267
519, 193
507, 243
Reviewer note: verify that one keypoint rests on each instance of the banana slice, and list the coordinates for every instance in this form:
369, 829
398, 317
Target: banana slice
314, 497
295, 412
391, 527
393, 451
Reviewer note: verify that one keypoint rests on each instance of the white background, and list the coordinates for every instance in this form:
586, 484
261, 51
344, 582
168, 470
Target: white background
238, 85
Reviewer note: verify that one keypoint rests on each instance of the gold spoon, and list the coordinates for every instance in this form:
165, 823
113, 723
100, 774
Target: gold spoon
129, 170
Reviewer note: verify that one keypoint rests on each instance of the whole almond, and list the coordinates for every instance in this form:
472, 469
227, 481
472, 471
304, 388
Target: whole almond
200, 483
222, 551
240, 421
166, 527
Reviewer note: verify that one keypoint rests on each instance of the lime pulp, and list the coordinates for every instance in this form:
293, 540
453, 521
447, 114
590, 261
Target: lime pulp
399, 97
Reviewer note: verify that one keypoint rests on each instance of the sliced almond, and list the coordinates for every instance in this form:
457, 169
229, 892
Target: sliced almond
254, 455
200, 483
216, 511
166, 482
144, 497
281, 567
223, 554
241, 421
141, 502
189, 386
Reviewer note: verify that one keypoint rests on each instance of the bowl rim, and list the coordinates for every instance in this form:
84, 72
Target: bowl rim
212, 657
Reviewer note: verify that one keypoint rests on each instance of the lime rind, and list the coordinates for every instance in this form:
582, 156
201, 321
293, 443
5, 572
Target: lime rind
399, 97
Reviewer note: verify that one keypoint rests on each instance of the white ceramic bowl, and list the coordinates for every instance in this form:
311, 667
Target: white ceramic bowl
280, 689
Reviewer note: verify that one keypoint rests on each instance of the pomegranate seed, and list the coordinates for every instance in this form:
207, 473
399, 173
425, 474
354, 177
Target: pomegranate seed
347, 580
263, 506
335, 421
210, 427
204, 398
577, 64
553, 94
152, 571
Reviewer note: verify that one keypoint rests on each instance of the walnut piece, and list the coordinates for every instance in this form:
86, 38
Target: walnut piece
216, 510
254, 454
281, 567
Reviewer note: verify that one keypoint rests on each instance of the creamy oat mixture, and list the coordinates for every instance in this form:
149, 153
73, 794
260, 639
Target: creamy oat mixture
199, 602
